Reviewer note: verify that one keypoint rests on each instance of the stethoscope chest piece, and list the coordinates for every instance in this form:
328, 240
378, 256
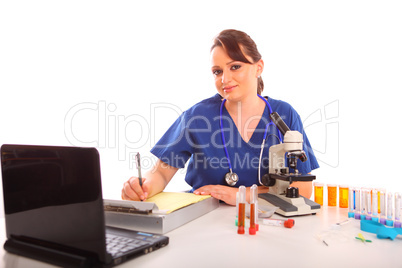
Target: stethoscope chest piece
231, 178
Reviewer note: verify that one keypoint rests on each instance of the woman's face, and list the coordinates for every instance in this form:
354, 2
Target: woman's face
234, 80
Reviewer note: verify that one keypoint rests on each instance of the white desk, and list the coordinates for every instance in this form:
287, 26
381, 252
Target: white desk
212, 241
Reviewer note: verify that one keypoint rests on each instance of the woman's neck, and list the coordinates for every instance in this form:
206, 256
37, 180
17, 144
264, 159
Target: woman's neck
246, 114
247, 106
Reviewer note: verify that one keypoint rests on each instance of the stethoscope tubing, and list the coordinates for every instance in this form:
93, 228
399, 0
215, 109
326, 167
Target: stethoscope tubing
223, 136
263, 141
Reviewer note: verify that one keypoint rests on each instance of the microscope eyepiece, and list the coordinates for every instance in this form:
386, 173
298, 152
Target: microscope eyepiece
281, 125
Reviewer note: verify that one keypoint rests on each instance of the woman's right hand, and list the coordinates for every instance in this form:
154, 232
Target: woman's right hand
153, 182
133, 191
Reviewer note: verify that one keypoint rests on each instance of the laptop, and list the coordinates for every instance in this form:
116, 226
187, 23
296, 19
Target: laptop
54, 209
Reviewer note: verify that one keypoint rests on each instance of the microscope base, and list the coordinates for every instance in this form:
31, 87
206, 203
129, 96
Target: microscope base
291, 206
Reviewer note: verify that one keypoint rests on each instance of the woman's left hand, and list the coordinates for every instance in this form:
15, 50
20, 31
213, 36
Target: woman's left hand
225, 193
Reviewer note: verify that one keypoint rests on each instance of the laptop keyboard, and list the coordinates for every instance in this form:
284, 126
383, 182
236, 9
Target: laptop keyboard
119, 245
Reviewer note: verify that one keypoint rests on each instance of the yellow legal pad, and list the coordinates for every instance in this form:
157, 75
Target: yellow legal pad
170, 201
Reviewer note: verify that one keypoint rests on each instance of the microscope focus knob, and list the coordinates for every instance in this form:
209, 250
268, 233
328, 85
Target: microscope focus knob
267, 180
292, 192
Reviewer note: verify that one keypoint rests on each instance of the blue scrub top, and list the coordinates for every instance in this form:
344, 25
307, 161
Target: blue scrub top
196, 136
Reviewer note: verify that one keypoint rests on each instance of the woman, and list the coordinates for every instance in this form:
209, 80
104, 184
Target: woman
224, 132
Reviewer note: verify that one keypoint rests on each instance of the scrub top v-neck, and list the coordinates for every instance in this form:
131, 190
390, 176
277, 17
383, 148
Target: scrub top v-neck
195, 139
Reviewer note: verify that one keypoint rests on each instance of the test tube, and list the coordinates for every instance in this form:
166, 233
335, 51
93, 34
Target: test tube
389, 221
398, 198
253, 198
257, 226
368, 204
363, 204
382, 206
379, 201
357, 203
289, 223
242, 210
351, 200
237, 207
375, 206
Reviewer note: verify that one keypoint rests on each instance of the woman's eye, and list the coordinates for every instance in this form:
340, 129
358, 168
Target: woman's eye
216, 72
235, 67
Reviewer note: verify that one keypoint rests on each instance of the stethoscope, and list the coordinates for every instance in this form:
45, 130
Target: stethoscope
231, 177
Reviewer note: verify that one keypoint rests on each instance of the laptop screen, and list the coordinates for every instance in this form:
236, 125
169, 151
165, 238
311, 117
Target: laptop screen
54, 194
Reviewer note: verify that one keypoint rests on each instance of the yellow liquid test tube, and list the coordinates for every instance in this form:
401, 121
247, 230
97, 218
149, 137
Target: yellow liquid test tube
343, 196
379, 200
319, 193
332, 194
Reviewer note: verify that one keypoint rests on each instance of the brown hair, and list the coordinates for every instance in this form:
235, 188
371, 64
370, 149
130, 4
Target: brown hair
233, 41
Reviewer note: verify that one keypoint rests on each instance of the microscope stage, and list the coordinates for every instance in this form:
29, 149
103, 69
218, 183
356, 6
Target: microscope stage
291, 206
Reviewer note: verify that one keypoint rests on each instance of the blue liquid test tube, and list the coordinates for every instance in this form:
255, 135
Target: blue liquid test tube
375, 206
383, 208
368, 204
351, 200
389, 221
357, 203
398, 198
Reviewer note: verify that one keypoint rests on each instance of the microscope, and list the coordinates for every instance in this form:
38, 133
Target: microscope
282, 157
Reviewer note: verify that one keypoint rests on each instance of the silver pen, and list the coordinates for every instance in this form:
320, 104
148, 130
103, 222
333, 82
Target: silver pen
137, 156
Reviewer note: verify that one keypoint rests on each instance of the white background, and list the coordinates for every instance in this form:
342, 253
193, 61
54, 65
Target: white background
116, 74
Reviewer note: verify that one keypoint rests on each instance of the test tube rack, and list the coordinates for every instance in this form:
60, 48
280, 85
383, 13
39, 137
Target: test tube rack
376, 205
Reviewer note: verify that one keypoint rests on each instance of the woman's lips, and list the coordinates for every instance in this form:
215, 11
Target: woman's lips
228, 88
